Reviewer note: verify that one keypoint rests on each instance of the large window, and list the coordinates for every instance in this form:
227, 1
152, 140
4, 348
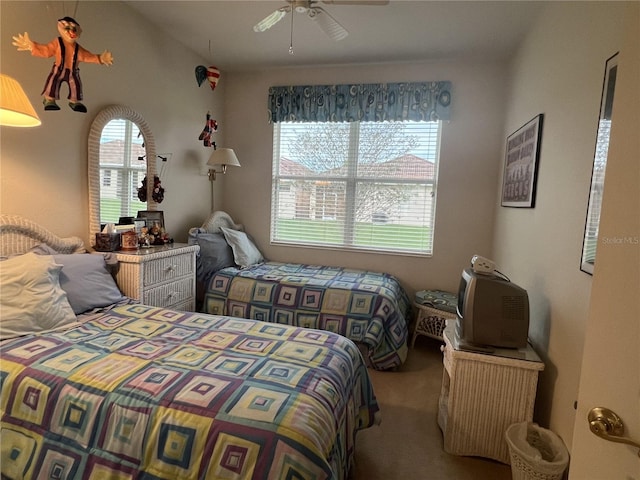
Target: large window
357, 185
122, 168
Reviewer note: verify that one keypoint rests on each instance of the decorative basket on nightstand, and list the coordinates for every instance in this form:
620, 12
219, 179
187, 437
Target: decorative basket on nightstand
434, 308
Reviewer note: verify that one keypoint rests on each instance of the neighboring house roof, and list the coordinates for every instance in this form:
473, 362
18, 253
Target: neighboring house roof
291, 167
111, 152
406, 166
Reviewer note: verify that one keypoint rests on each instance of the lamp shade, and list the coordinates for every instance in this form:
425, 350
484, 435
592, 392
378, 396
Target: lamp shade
15, 108
224, 157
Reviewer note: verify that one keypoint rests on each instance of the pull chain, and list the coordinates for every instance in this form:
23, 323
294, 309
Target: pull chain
291, 40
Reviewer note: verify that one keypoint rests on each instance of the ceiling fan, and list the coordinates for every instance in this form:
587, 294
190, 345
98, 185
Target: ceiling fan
319, 15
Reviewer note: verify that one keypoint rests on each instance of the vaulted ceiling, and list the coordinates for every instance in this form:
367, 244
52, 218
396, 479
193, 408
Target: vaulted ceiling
398, 31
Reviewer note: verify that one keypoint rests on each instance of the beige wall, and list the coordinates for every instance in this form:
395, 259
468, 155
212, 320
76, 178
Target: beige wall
468, 175
558, 72
43, 170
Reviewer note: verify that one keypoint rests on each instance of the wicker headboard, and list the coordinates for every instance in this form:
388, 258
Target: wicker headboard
19, 235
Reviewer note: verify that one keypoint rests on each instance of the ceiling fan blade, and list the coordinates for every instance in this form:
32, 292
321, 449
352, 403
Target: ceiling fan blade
327, 23
271, 19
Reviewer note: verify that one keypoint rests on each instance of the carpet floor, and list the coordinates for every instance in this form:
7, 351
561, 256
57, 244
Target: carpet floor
408, 443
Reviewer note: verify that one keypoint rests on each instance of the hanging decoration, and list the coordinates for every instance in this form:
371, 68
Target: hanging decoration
68, 54
158, 190
209, 128
212, 74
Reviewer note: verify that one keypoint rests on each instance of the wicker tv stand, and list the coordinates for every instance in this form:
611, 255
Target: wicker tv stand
482, 395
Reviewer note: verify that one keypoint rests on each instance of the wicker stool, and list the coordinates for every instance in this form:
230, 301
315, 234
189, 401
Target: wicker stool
434, 308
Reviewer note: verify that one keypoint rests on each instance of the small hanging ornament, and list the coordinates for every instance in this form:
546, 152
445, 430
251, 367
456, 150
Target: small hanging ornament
212, 74
209, 128
158, 191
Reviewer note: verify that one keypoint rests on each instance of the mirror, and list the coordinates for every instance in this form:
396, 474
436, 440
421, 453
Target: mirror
135, 126
590, 242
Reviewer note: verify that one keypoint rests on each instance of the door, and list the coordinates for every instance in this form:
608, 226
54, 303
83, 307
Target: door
610, 375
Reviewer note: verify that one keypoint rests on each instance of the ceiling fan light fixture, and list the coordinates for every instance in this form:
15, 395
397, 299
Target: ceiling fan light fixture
301, 6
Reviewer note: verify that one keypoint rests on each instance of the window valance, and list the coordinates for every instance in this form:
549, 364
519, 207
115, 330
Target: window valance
375, 102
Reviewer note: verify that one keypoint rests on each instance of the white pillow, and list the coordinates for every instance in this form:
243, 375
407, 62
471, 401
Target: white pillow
245, 253
31, 300
219, 219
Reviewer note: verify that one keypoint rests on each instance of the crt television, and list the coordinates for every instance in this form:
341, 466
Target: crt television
492, 311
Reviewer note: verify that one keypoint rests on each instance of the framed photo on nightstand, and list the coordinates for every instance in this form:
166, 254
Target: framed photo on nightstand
152, 218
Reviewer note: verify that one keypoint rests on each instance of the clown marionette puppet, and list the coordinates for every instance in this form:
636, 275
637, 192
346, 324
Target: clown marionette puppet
65, 68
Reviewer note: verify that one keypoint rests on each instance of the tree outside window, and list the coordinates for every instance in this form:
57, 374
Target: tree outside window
355, 185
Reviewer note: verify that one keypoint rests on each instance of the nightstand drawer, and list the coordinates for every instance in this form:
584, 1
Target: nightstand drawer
170, 293
168, 268
162, 276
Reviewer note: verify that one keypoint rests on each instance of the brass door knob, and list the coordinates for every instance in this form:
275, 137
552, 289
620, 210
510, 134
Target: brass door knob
606, 424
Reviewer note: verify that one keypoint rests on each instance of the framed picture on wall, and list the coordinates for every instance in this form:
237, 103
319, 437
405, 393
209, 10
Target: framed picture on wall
521, 165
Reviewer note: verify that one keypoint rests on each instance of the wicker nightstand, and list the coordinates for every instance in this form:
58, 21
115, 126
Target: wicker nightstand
162, 276
434, 308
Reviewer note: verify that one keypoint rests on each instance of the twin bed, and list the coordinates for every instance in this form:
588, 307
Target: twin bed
366, 307
96, 386
370, 308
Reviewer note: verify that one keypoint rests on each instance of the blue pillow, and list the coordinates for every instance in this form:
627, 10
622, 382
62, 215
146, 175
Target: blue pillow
87, 282
215, 253
245, 252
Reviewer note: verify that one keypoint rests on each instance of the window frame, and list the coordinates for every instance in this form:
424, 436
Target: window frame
352, 181
126, 173
102, 119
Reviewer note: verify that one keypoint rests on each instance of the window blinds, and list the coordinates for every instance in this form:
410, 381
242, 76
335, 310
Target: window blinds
358, 185
122, 168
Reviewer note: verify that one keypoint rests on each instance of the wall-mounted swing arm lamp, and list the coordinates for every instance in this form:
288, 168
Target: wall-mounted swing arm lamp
223, 157
15, 108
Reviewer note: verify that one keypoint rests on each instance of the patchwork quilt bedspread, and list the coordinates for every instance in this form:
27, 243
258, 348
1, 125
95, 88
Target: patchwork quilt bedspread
145, 393
367, 307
